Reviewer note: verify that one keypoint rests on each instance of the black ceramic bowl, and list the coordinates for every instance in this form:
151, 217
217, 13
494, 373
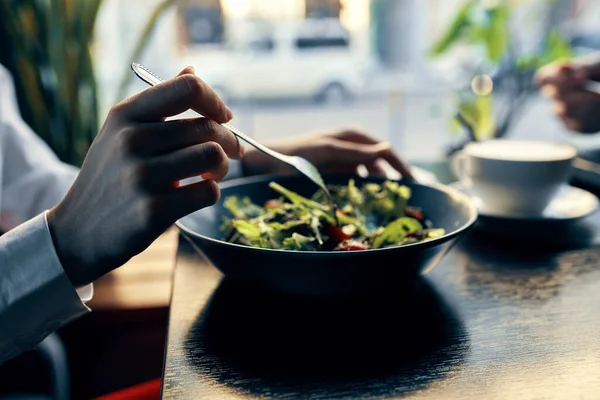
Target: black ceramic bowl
328, 273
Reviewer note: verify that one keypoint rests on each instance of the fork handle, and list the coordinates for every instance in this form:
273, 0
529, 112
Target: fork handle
256, 144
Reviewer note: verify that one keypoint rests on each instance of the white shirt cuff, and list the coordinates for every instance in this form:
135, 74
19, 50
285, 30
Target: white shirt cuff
86, 293
37, 297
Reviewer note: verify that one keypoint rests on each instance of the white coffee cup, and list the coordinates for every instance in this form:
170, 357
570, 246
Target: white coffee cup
513, 176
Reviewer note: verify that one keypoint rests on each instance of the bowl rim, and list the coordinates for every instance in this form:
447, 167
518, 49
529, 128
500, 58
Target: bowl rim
474, 214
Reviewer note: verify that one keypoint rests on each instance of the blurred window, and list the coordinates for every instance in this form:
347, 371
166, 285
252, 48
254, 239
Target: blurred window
352, 62
204, 25
321, 42
263, 45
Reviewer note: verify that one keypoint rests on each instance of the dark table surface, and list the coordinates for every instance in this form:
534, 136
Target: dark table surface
497, 319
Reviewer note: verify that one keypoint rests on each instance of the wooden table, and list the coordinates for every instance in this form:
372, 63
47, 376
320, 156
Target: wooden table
142, 283
495, 320
121, 343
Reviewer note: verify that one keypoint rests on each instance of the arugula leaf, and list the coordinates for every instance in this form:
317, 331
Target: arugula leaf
295, 198
372, 189
301, 224
384, 206
355, 196
242, 209
319, 196
315, 224
232, 204
276, 226
390, 203
298, 242
249, 229
347, 220
252, 233
397, 231
397, 189
257, 233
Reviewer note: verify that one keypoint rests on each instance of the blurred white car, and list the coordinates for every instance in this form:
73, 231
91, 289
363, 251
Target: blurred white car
292, 60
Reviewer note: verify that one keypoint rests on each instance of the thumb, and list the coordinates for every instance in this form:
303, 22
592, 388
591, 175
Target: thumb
187, 70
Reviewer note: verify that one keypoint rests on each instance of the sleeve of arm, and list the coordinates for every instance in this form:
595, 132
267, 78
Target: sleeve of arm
32, 178
36, 297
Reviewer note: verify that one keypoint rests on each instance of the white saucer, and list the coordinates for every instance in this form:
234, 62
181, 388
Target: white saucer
570, 204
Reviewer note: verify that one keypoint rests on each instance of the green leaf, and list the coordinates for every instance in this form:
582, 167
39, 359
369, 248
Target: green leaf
232, 204
372, 189
295, 198
528, 63
257, 233
355, 196
391, 202
251, 230
47, 49
476, 33
456, 30
479, 113
142, 42
299, 242
347, 220
244, 209
397, 231
395, 189
315, 225
320, 209
497, 32
557, 48
278, 227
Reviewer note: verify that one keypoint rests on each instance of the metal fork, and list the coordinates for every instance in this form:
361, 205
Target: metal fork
299, 163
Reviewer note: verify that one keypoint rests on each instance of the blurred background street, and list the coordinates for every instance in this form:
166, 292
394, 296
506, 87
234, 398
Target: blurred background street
292, 66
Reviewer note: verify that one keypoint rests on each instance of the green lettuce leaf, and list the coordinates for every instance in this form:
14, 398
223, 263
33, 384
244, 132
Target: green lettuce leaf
276, 226
372, 189
315, 224
295, 198
396, 231
249, 229
244, 209
299, 242
258, 234
355, 196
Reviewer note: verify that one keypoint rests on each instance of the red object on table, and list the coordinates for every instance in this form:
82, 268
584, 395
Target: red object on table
144, 391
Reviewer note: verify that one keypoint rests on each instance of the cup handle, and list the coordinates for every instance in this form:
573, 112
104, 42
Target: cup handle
458, 166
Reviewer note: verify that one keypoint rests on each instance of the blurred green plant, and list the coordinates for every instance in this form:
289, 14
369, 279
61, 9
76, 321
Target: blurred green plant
46, 46
146, 35
142, 43
483, 27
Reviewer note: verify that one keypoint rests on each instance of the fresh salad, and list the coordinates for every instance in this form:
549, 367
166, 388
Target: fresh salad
373, 216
